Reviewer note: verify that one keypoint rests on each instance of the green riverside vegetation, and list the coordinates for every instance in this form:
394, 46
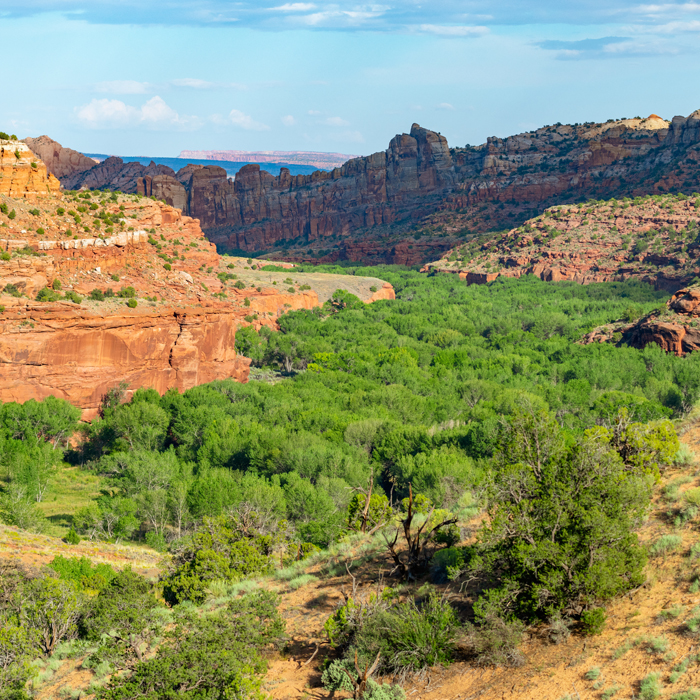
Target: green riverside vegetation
401, 420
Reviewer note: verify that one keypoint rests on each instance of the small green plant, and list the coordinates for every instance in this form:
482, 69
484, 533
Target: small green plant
690, 694
664, 545
97, 295
593, 674
12, 214
167, 267
610, 692
593, 621
74, 297
650, 687
115, 278
132, 303
302, 580
72, 537
56, 285
5, 256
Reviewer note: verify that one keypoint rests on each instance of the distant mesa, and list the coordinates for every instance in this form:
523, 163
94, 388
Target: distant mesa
321, 160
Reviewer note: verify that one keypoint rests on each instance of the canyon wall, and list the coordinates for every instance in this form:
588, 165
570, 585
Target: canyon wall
370, 208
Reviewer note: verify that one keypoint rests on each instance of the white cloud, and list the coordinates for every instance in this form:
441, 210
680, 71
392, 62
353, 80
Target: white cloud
336, 121
154, 113
342, 18
313, 112
294, 7
453, 31
444, 105
245, 121
289, 120
123, 87
195, 83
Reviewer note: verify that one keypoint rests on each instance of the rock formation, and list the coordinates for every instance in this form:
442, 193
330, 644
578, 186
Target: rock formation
675, 328
22, 174
374, 208
653, 238
61, 162
100, 289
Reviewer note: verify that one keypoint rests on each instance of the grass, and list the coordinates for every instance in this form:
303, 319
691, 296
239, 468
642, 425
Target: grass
70, 489
665, 545
302, 580
593, 674
610, 692
656, 645
670, 613
650, 687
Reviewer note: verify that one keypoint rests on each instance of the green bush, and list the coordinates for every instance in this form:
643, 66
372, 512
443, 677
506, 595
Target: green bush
73, 296
408, 636
126, 292
81, 571
12, 290
132, 303
650, 687
40, 231
97, 295
56, 285
5, 256
167, 267
665, 544
72, 537
207, 656
593, 621
12, 214
446, 564
47, 294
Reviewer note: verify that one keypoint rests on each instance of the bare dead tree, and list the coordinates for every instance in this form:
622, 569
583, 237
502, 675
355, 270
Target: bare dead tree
417, 541
359, 684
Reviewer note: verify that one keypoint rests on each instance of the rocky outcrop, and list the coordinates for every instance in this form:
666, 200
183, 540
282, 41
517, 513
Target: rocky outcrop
22, 174
365, 208
61, 162
257, 211
677, 330
65, 351
653, 238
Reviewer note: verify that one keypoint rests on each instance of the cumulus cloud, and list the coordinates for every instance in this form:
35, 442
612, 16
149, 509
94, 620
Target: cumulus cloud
289, 120
445, 105
123, 87
154, 113
245, 121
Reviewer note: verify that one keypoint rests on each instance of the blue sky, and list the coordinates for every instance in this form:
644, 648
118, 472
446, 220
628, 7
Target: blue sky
152, 78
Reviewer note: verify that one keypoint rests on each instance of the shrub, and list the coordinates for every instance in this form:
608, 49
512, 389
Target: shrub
126, 292
217, 656
494, 640
97, 295
409, 637
56, 285
5, 255
665, 544
650, 687
72, 537
593, 621
12, 214
593, 674
40, 231
446, 564
538, 483
12, 290
73, 296
47, 294
81, 571
115, 278
239, 285
60, 211
132, 303
167, 267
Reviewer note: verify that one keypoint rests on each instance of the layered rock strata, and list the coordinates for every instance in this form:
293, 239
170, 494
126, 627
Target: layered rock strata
22, 174
358, 211
134, 293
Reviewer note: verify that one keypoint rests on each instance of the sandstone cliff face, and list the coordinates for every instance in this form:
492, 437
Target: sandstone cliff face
61, 162
356, 211
652, 238
181, 332
677, 330
22, 174
60, 350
